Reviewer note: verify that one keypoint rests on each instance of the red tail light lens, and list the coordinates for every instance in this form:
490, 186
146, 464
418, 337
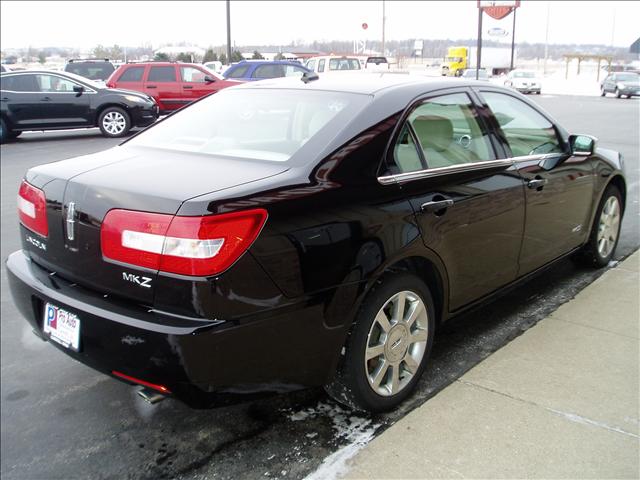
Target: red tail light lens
32, 209
198, 246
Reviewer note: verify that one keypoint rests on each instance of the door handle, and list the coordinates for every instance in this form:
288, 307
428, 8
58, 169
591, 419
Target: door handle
537, 183
5, 99
187, 86
152, 86
437, 205
46, 99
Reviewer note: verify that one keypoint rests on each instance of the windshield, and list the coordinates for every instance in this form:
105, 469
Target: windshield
627, 77
453, 59
83, 80
92, 71
472, 74
524, 75
262, 124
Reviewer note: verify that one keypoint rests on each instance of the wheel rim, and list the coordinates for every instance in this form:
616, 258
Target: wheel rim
396, 343
608, 226
114, 123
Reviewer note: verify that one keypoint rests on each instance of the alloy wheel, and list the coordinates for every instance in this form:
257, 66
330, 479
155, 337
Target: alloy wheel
396, 343
608, 227
114, 123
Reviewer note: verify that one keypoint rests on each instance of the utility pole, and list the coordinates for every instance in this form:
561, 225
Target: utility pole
613, 26
546, 40
383, 21
513, 37
229, 32
479, 46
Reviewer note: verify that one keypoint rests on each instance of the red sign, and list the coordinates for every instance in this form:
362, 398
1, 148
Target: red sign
498, 9
365, 26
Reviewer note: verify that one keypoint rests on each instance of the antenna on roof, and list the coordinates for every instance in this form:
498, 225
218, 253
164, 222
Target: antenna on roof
309, 77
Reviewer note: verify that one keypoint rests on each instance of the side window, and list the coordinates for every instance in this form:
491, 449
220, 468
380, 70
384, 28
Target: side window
162, 74
293, 71
405, 153
311, 65
526, 130
54, 84
132, 74
192, 75
238, 72
447, 133
19, 83
321, 66
268, 71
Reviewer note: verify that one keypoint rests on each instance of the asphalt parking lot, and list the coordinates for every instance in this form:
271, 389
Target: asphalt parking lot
62, 420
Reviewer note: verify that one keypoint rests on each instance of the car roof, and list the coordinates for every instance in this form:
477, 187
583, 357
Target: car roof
366, 84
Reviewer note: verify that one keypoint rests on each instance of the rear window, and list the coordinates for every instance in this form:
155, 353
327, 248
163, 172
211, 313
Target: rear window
269, 125
91, 70
344, 64
238, 72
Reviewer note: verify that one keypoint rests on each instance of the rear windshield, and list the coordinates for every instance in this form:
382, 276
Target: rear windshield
92, 71
344, 64
259, 124
524, 75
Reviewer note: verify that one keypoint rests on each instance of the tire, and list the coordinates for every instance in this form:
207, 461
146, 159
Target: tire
538, 92
13, 135
396, 362
605, 231
618, 94
5, 133
114, 122
603, 93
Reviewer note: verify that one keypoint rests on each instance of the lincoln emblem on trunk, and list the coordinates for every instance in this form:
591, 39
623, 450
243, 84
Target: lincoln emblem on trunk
71, 212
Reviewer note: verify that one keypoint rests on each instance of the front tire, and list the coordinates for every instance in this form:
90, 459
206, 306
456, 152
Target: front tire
603, 92
388, 347
114, 122
618, 94
605, 231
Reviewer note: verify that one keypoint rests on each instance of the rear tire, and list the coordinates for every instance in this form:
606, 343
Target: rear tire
605, 231
388, 347
114, 122
5, 133
603, 93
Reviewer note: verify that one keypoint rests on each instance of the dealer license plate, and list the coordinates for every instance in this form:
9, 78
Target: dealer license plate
62, 326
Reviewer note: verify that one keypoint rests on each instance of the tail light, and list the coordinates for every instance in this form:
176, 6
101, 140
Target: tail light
32, 209
198, 246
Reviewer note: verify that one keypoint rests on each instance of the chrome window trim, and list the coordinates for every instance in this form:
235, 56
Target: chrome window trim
88, 89
440, 171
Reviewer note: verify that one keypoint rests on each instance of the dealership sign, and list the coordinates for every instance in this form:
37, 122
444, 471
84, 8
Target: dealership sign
498, 9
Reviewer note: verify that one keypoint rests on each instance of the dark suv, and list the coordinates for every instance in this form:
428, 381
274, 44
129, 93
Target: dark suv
97, 70
172, 84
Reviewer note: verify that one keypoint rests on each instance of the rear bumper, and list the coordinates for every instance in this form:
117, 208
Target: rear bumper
201, 362
144, 117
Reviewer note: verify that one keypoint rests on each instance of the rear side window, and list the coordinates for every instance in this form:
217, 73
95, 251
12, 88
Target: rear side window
19, 83
132, 74
443, 131
238, 72
321, 66
268, 71
526, 130
162, 74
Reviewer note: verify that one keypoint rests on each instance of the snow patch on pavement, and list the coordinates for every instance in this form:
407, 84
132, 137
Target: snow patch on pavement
349, 427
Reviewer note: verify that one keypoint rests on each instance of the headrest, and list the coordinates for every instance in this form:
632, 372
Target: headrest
433, 131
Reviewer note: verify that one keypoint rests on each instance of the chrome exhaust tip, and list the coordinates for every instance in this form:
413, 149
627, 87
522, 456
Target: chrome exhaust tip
150, 396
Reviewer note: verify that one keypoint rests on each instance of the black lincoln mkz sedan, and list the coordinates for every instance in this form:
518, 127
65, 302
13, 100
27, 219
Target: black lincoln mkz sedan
48, 100
291, 233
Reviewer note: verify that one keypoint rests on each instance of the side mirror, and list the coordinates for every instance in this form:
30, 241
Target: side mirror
209, 79
78, 89
582, 145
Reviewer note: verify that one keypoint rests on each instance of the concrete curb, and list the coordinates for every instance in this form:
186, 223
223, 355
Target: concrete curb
560, 401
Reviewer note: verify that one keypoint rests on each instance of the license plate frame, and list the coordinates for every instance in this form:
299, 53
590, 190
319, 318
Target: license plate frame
61, 326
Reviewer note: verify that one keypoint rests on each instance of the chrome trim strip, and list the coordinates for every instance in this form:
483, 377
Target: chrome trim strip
437, 172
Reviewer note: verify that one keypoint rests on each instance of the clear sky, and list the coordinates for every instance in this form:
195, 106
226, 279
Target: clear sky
84, 24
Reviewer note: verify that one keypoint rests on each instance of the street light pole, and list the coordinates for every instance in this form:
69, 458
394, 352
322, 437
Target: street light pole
546, 39
228, 32
383, 20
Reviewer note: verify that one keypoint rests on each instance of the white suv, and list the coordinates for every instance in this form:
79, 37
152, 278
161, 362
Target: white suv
333, 64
